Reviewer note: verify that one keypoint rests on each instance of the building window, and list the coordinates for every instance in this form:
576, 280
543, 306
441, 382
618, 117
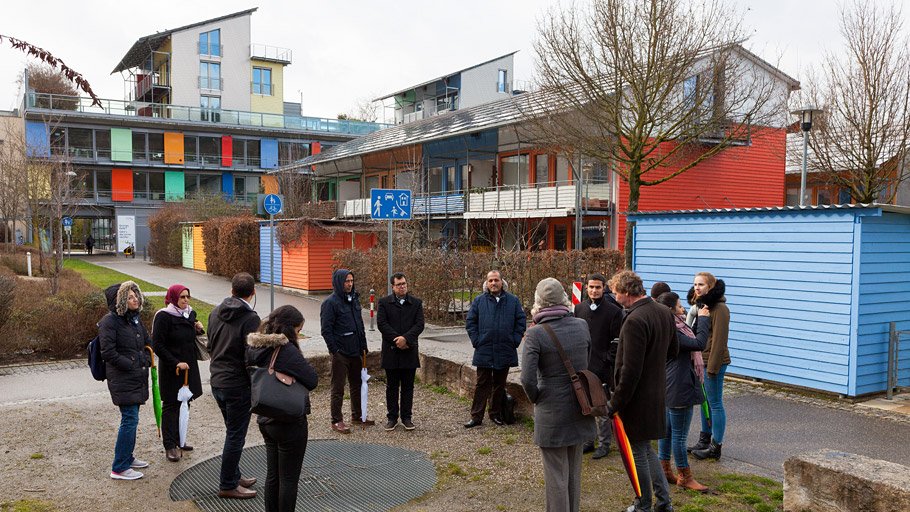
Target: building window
210, 43
501, 81
210, 76
210, 151
262, 81
823, 197
211, 105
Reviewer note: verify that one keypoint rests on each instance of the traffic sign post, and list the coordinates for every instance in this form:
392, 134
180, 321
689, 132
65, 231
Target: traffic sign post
390, 204
272, 205
68, 229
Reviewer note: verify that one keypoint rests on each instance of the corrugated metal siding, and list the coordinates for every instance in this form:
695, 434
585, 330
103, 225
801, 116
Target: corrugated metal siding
294, 271
740, 177
789, 279
309, 266
264, 256
198, 249
187, 246
884, 296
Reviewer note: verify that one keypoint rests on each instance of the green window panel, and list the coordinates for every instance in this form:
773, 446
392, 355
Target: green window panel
174, 186
121, 145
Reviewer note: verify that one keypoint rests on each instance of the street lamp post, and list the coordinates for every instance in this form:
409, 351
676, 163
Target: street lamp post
805, 124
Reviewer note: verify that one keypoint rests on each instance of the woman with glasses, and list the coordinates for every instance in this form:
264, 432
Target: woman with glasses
174, 333
123, 347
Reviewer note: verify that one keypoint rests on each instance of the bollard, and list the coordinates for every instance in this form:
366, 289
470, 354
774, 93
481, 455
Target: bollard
145, 249
372, 308
28, 262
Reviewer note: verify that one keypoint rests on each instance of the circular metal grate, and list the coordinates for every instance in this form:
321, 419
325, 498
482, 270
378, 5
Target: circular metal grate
336, 476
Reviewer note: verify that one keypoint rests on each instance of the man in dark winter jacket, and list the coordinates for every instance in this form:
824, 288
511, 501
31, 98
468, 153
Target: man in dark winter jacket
604, 320
496, 324
400, 321
647, 340
345, 337
229, 324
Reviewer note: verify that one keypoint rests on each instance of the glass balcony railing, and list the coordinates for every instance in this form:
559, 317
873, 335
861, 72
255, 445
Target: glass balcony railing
214, 116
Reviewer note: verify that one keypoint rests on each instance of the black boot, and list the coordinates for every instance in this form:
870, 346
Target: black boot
704, 440
712, 452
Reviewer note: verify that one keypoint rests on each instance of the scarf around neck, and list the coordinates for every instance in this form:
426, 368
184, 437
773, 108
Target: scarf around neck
172, 310
557, 311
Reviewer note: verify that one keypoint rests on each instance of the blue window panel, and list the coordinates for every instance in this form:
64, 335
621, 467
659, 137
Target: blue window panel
227, 184
268, 149
37, 139
264, 261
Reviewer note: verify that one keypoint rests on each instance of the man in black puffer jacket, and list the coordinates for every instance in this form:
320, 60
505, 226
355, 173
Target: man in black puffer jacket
345, 337
229, 324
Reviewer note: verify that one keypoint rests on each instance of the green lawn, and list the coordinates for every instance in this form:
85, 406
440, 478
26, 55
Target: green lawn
103, 277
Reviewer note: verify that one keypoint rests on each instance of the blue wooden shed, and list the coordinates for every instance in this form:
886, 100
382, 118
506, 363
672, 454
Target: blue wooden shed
265, 273
811, 290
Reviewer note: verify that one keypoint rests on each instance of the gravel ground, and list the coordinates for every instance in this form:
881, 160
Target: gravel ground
60, 452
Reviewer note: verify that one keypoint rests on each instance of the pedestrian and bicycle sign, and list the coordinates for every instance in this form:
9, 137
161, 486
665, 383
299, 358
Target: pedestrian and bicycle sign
390, 204
272, 204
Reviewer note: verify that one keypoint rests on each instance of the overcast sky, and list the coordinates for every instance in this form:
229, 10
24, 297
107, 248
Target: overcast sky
348, 50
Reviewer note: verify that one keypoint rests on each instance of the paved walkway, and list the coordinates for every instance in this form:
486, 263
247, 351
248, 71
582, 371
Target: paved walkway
765, 425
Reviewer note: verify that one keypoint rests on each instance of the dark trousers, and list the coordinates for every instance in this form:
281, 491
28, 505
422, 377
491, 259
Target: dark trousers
399, 378
170, 424
491, 385
650, 476
285, 446
235, 409
345, 369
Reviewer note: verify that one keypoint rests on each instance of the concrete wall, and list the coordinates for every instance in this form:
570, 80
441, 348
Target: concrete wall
478, 85
274, 103
236, 72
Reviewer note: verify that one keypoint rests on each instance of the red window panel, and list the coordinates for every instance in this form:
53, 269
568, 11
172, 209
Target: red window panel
122, 185
227, 151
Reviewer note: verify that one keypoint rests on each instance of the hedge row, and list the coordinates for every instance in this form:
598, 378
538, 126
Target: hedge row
446, 281
231, 245
166, 241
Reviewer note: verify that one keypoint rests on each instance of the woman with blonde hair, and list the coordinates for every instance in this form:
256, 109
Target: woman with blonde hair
708, 291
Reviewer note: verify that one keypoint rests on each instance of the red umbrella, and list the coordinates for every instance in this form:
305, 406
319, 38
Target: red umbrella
625, 451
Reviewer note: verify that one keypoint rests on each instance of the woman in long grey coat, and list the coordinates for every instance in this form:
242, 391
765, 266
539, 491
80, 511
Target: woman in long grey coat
560, 429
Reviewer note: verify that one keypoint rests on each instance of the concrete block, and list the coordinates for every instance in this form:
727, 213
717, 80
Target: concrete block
834, 481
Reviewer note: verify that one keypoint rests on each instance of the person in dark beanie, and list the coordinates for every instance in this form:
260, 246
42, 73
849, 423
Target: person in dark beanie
604, 321
342, 329
400, 320
646, 341
659, 288
229, 324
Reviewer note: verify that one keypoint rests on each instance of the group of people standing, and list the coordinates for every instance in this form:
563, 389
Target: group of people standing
651, 355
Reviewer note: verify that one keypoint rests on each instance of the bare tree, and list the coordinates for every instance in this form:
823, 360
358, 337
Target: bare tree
364, 109
651, 88
13, 167
54, 62
861, 138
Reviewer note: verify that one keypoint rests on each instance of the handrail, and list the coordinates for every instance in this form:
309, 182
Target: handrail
215, 116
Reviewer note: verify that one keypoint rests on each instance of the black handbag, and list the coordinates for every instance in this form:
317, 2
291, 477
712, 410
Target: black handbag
277, 395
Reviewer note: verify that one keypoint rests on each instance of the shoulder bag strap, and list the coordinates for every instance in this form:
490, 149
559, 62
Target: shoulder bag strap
272, 362
583, 401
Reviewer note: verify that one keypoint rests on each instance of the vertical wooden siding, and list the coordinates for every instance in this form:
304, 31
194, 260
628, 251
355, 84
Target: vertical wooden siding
884, 296
265, 258
187, 246
789, 278
198, 250
737, 177
309, 266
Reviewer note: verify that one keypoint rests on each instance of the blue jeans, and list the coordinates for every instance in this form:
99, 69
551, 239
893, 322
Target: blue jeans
235, 409
714, 388
126, 438
678, 419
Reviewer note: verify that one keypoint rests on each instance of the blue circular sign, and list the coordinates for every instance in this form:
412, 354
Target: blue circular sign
67, 222
272, 204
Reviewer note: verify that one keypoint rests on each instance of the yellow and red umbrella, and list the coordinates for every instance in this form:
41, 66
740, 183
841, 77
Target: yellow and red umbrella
625, 452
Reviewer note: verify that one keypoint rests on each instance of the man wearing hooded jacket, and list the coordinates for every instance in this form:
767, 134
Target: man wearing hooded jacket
229, 324
345, 337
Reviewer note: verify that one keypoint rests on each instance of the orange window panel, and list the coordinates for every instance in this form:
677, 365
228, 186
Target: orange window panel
173, 148
122, 185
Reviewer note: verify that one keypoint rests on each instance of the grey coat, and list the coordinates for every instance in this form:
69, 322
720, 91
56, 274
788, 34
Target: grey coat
557, 416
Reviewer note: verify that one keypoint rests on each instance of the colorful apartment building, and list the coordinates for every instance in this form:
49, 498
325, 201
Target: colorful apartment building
203, 115
480, 178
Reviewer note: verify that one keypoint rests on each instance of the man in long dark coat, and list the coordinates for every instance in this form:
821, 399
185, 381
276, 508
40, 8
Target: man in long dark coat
647, 339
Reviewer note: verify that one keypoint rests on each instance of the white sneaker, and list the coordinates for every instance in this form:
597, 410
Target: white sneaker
129, 474
139, 464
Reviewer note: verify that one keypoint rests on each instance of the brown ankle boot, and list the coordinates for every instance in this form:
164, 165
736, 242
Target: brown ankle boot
668, 471
687, 481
